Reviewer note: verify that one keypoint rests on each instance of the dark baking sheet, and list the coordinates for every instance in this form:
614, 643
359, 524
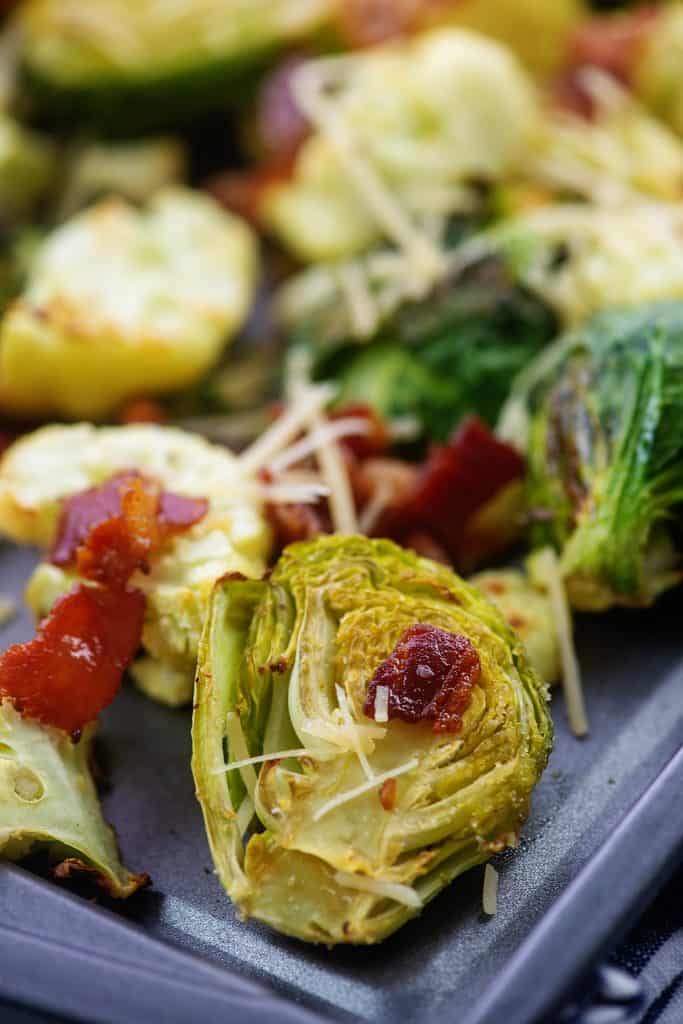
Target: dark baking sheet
441, 967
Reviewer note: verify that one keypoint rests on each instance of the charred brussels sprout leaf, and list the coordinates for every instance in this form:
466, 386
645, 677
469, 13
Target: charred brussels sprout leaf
285, 666
601, 417
48, 800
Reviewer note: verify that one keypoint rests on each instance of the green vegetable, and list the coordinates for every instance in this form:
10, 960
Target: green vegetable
601, 418
450, 353
129, 65
48, 800
284, 664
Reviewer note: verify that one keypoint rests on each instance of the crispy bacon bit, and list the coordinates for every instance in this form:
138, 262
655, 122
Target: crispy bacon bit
281, 126
371, 444
73, 667
142, 410
143, 501
457, 479
244, 192
297, 522
387, 794
613, 42
429, 675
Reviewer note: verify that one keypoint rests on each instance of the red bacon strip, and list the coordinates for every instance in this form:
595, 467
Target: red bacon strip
73, 667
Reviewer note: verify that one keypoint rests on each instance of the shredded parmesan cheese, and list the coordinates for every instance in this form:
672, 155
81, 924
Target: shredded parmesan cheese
349, 426
286, 428
364, 787
278, 755
404, 894
312, 85
345, 709
340, 734
382, 704
547, 565
489, 900
238, 744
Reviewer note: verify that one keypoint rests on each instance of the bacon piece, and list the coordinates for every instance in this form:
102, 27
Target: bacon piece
142, 410
457, 479
363, 446
613, 42
73, 667
88, 509
429, 676
294, 522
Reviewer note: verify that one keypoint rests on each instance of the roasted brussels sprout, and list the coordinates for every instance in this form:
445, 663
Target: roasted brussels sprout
451, 352
377, 788
426, 116
124, 64
48, 800
600, 416
526, 608
57, 462
122, 302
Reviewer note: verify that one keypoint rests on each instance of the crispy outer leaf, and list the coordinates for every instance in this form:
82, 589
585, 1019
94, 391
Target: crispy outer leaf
602, 419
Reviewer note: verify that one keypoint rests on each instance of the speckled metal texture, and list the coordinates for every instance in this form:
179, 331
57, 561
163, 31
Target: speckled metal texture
436, 967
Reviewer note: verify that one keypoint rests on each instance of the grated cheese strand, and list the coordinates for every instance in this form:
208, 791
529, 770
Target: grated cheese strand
571, 675
348, 426
489, 896
279, 755
286, 428
309, 84
364, 787
382, 704
404, 894
237, 742
351, 726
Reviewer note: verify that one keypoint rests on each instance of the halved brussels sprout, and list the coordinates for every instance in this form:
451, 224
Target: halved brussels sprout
122, 302
57, 462
352, 823
600, 416
527, 608
48, 800
127, 63
428, 116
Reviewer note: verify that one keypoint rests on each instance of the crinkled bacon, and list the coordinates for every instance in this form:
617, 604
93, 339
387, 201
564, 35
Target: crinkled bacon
72, 669
611, 42
454, 483
429, 678
146, 515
